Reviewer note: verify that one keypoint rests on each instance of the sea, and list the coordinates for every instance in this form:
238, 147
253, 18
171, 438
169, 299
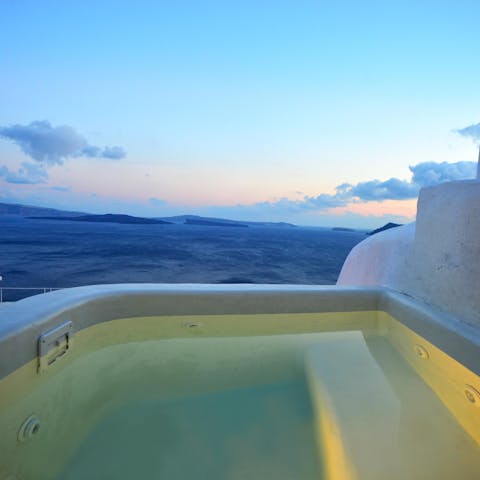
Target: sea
48, 254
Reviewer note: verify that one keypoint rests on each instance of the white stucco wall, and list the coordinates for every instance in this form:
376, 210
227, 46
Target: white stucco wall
379, 259
436, 260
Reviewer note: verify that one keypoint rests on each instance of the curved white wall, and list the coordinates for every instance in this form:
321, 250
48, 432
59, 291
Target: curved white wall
380, 259
436, 260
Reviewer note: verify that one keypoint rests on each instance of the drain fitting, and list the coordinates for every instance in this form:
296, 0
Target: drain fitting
472, 395
422, 352
29, 428
192, 324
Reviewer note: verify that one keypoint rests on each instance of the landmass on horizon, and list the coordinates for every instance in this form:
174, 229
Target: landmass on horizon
44, 213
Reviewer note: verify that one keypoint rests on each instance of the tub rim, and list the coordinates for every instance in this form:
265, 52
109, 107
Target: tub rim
22, 322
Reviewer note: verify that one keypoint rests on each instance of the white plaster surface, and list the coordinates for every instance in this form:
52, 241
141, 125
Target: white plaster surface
380, 259
436, 260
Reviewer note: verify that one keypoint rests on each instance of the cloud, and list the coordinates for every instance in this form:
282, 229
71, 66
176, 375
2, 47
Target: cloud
324, 201
430, 173
28, 173
391, 189
115, 153
89, 151
52, 145
472, 131
423, 175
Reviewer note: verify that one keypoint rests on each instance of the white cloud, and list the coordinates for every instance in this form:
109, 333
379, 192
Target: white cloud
423, 175
472, 132
28, 173
52, 145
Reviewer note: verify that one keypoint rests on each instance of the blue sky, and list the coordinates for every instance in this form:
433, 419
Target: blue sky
255, 110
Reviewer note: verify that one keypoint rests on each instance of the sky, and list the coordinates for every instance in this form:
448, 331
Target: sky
313, 112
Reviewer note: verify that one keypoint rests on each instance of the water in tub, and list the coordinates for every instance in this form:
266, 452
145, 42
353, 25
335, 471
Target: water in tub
222, 408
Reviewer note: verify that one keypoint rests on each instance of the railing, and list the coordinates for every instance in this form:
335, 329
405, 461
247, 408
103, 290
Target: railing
17, 292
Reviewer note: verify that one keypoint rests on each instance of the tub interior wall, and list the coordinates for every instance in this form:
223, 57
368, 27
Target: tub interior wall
119, 362
448, 378
146, 359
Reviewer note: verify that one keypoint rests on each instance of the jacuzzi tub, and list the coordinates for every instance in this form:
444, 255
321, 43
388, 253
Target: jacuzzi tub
235, 382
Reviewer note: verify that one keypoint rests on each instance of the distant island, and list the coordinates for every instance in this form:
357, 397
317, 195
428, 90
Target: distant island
107, 218
343, 229
212, 223
30, 210
222, 222
45, 213
387, 226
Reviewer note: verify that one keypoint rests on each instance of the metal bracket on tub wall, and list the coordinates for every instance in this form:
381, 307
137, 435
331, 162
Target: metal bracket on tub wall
54, 344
